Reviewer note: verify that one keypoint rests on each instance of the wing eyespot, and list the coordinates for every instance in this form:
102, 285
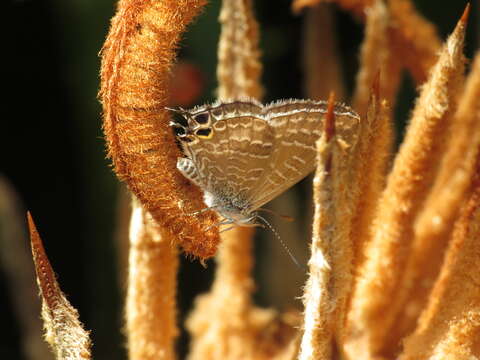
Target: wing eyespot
179, 131
204, 133
202, 118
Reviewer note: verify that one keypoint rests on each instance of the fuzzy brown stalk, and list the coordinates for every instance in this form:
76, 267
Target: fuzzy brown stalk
330, 265
374, 306
151, 306
136, 61
376, 55
450, 325
377, 79
318, 324
220, 324
321, 62
225, 324
239, 68
434, 226
63, 330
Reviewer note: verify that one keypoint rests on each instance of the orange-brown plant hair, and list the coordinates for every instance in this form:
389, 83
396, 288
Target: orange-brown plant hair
136, 63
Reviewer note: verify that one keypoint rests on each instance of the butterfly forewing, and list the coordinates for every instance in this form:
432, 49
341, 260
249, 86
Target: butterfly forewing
230, 161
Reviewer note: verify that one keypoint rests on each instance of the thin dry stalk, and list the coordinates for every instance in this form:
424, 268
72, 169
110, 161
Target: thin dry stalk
63, 330
239, 68
370, 168
376, 56
450, 325
434, 226
321, 63
415, 40
136, 62
151, 306
374, 307
318, 324
224, 324
326, 291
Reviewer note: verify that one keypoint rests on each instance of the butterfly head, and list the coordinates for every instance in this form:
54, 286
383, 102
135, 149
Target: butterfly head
190, 126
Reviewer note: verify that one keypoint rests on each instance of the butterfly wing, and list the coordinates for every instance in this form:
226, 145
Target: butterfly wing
230, 160
297, 125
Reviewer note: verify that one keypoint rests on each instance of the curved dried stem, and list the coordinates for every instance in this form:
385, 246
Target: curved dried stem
375, 303
136, 62
63, 330
151, 306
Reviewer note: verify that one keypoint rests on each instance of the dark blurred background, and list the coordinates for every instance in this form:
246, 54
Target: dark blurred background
52, 150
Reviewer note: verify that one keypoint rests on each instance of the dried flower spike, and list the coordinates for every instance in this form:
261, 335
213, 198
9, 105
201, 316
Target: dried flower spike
64, 332
376, 303
330, 265
136, 62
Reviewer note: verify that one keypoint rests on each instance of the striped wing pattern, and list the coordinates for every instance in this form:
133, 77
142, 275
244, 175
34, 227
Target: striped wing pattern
248, 154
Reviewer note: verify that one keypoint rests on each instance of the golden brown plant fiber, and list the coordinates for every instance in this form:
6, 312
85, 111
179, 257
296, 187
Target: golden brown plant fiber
374, 305
331, 260
239, 68
321, 63
376, 55
449, 327
151, 305
136, 62
63, 330
434, 224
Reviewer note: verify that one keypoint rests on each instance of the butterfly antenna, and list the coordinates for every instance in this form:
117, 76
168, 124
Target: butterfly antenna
281, 242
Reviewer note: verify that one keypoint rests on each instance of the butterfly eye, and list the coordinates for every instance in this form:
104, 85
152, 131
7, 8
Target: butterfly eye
179, 120
204, 133
179, 131
201, 118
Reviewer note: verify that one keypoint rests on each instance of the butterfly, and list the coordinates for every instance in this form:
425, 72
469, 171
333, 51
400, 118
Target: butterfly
242, 154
